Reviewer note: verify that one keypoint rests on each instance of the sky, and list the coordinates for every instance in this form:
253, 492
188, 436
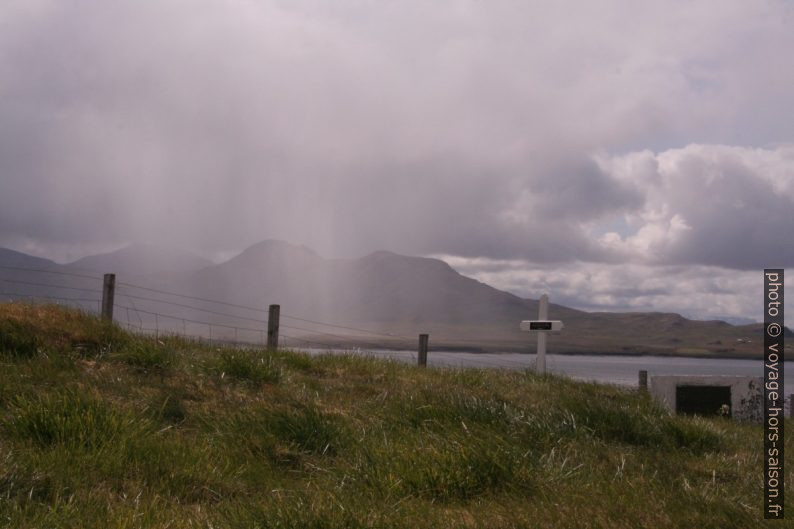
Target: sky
619, 155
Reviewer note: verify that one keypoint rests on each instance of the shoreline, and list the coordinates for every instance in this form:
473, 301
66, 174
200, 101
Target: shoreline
788, 355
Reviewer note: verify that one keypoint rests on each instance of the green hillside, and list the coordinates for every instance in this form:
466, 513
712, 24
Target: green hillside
100, 428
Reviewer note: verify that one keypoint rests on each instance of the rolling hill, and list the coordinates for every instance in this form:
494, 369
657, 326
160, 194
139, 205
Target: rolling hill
393, 296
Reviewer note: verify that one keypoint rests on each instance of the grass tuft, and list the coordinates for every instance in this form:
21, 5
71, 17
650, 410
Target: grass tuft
18, 339
308, 429
252, 367
168, 407
284, 435
68, 418
145, 354
628, 420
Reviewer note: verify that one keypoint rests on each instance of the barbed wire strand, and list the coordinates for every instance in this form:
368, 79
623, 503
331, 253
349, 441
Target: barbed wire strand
283, 315
257, 309
58, 272
47, 285
20, 294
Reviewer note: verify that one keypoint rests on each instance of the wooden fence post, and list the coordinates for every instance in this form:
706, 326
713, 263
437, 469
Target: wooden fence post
108, 291
422, 358
643, 380
272, 326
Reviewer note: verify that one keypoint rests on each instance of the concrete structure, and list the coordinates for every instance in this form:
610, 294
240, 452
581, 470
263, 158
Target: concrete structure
738, 396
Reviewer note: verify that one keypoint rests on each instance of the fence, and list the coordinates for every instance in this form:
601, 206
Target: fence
152, 311
145, 310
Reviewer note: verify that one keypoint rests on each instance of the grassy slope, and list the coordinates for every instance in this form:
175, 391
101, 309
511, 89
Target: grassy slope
99, 428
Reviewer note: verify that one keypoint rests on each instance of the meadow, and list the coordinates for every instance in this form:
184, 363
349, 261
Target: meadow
103, 428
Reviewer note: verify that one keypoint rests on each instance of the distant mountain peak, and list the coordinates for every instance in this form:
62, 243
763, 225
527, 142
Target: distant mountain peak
378, 254
279, 244
143, 259
272, 247
9, 257
142, 247
386, 256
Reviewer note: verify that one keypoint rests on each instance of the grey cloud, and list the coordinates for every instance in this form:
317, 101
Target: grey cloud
738, 220
714, 205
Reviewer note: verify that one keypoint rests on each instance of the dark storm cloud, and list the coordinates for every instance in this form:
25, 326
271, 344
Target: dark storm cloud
463, 128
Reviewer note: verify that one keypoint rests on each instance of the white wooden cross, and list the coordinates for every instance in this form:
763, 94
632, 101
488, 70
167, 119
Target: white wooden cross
541, 326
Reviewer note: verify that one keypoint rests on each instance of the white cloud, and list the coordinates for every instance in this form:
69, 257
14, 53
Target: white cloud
700, 292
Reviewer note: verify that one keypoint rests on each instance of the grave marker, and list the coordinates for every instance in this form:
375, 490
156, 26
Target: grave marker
541, 326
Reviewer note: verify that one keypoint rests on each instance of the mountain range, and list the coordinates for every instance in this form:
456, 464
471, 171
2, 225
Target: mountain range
380, 300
